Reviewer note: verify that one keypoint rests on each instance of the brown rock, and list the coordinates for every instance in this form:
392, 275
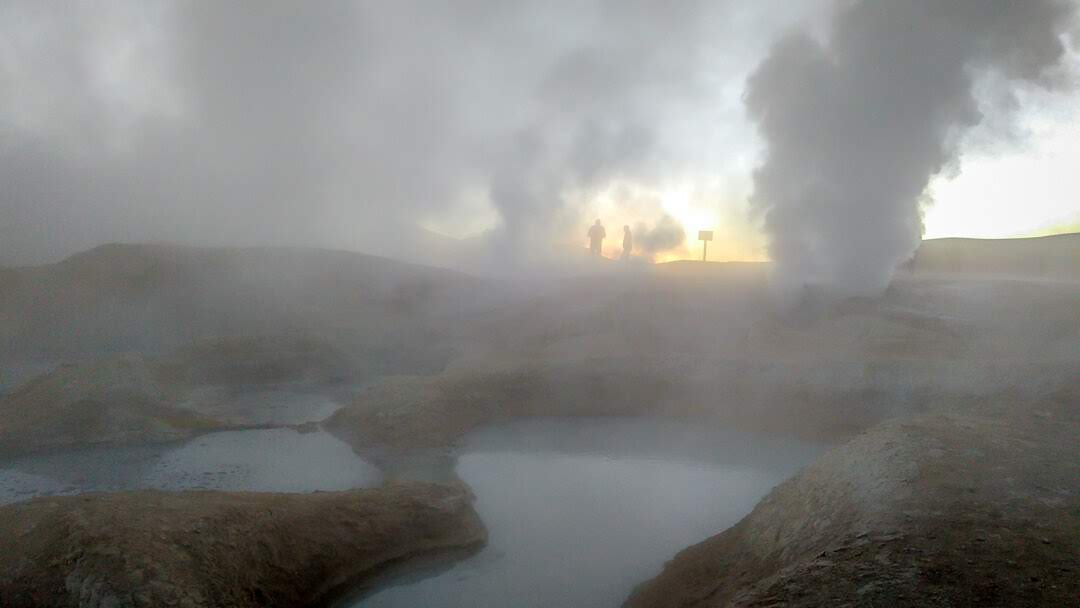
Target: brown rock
109, 401
926, 486
222, 549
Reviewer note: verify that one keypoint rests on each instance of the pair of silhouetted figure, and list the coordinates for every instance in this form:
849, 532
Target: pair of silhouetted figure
596, 238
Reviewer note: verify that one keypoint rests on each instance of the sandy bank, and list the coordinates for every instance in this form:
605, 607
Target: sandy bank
937, 510
222, 549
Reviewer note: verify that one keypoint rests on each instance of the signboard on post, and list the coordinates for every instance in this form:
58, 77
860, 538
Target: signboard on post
705, 236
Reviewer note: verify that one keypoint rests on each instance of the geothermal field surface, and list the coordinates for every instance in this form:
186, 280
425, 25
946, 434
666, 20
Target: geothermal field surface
356, 431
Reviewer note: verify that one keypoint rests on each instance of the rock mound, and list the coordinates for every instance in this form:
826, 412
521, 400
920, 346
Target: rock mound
197, 549
415, 412
111, 401
937, 510
135, 399
250, 360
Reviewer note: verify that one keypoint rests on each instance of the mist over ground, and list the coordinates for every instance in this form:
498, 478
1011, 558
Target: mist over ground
296, 306
349, 125
383, 128
857, 125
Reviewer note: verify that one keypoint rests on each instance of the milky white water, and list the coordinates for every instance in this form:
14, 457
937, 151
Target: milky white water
273, 460
579, 511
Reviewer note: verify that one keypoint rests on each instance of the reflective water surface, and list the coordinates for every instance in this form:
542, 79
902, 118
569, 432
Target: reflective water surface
579, 511
273, 460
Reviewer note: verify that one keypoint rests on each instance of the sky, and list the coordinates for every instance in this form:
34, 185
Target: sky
374, 126
1024, 187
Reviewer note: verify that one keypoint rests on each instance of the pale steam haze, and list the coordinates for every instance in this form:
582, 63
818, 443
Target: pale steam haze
858, 124
539, 303
395, 127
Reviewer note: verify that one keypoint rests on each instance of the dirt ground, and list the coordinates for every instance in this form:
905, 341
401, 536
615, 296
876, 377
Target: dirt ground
213, 549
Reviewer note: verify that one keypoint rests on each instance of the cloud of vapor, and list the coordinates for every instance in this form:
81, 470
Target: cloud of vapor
598, 110
664, 235
345, 123
856, 124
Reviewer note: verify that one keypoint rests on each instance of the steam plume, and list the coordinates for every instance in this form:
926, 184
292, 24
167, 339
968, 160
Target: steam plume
666, 234
857, 125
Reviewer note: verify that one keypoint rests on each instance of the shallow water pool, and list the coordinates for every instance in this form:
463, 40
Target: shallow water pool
579, 511
271, 460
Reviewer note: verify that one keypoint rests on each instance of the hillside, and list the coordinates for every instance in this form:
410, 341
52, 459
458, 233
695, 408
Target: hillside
158, 297
1050, 257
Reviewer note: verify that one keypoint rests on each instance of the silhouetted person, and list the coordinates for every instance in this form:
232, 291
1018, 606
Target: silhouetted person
627, 242
596, 237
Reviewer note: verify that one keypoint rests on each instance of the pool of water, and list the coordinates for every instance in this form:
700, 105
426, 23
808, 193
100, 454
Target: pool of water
272, 460
579, 511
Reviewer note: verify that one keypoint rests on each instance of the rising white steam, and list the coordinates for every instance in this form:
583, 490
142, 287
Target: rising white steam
858, 123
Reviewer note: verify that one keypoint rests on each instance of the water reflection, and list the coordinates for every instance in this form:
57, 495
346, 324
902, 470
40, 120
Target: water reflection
273, 460
579, 511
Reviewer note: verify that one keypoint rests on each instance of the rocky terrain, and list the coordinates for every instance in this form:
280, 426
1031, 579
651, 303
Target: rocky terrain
953, 400
262, 359
960, 397
936, 510
134, 398
826, 370
112, 401
215, 549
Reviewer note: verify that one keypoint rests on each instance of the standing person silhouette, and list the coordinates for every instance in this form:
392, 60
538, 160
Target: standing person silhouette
627, 243
596, 237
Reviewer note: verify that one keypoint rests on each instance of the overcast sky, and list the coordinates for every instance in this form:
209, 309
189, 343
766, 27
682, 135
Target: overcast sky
350, 124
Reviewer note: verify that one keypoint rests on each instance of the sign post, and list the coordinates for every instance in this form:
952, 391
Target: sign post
705, 236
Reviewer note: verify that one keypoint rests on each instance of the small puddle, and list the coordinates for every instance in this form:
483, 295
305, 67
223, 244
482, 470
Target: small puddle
271, 460
579, 511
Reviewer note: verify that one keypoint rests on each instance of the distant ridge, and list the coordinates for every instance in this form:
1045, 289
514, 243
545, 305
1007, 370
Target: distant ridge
1066, 236
176, 253
152, 298
1055, 257
1050, 257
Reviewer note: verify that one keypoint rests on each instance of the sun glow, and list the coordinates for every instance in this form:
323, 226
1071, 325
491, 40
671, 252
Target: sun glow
694, 216
694, 205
